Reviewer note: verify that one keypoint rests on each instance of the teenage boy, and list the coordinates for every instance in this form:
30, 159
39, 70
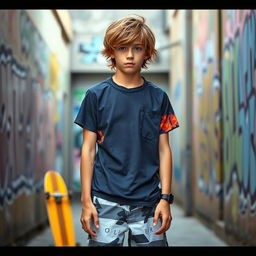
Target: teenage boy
128, 118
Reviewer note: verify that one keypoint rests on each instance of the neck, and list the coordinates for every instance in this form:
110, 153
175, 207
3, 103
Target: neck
128, 80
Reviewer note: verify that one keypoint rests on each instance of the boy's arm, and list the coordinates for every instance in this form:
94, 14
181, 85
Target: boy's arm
86, 173
165, 172
165, 159
87, 161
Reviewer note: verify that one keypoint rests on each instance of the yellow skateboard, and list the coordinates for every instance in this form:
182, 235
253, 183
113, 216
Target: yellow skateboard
59, 209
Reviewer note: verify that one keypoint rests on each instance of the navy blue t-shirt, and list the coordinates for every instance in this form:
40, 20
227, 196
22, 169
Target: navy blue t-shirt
128, 123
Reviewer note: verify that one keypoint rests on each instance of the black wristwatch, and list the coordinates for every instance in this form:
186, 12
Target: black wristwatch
168, 197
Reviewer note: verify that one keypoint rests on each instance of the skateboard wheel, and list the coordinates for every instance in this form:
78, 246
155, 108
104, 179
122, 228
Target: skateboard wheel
58, 199
70, 194
47, 195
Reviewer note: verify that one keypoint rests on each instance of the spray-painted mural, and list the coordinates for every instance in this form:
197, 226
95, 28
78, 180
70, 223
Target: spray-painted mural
27, 124
224, 117
239, 121
92, 51
206, 114
177, 96
77, 96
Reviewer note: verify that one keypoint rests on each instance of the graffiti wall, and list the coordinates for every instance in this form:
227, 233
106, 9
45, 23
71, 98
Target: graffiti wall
177, 97
28, 123
77, 98
224, 117
239, 121
207, 114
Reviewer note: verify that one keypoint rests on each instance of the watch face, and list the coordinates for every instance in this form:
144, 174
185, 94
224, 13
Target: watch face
167, 197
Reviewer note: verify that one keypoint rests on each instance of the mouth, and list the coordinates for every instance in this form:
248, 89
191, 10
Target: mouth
129, 64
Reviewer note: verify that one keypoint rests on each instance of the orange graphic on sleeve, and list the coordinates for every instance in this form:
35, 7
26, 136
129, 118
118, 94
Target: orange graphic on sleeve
168, 122
101, 137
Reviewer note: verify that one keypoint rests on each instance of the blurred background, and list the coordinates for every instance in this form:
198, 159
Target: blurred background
206, 64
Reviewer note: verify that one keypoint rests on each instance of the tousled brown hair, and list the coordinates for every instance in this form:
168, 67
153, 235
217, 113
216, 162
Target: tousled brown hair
125, 31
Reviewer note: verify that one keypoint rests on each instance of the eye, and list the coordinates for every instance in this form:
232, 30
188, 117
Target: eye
138, 48
121, 48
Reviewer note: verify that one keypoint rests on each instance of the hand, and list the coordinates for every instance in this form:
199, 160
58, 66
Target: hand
162, 210
88, 212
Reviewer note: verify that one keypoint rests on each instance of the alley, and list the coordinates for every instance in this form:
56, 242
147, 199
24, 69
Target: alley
205, 73
184, 231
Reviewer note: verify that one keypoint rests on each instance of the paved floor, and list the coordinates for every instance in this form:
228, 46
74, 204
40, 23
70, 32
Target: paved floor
184, 231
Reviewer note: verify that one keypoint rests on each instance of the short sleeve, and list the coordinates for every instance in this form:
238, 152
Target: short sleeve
87, 115
168, 117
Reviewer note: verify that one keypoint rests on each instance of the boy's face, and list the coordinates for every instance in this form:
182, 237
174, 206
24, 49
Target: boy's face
129, 57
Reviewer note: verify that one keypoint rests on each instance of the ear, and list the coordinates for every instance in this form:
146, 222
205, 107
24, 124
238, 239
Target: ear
146, 57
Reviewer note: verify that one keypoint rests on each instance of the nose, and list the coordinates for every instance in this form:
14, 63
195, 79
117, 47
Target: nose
129, 53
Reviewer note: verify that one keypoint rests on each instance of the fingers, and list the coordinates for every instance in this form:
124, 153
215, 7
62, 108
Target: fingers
156, 217
96, 220
86, 224
88, 228
166, 223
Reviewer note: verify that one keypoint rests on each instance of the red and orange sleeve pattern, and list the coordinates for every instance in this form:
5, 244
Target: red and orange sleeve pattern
100, 137
168, 123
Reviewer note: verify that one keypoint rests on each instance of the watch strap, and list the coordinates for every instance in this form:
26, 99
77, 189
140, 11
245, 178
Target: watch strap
168, 197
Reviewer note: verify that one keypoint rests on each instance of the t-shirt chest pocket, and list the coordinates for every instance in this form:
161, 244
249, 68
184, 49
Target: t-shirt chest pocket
149, 122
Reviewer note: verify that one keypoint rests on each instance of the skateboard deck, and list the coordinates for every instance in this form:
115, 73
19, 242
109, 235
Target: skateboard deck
59, 209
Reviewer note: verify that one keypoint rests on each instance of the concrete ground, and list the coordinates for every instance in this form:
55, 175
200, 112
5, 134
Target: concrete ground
184, 231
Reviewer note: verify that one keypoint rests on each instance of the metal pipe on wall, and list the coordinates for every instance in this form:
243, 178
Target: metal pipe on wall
188, 171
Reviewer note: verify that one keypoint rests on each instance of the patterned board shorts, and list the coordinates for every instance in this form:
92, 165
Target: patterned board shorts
116, 219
